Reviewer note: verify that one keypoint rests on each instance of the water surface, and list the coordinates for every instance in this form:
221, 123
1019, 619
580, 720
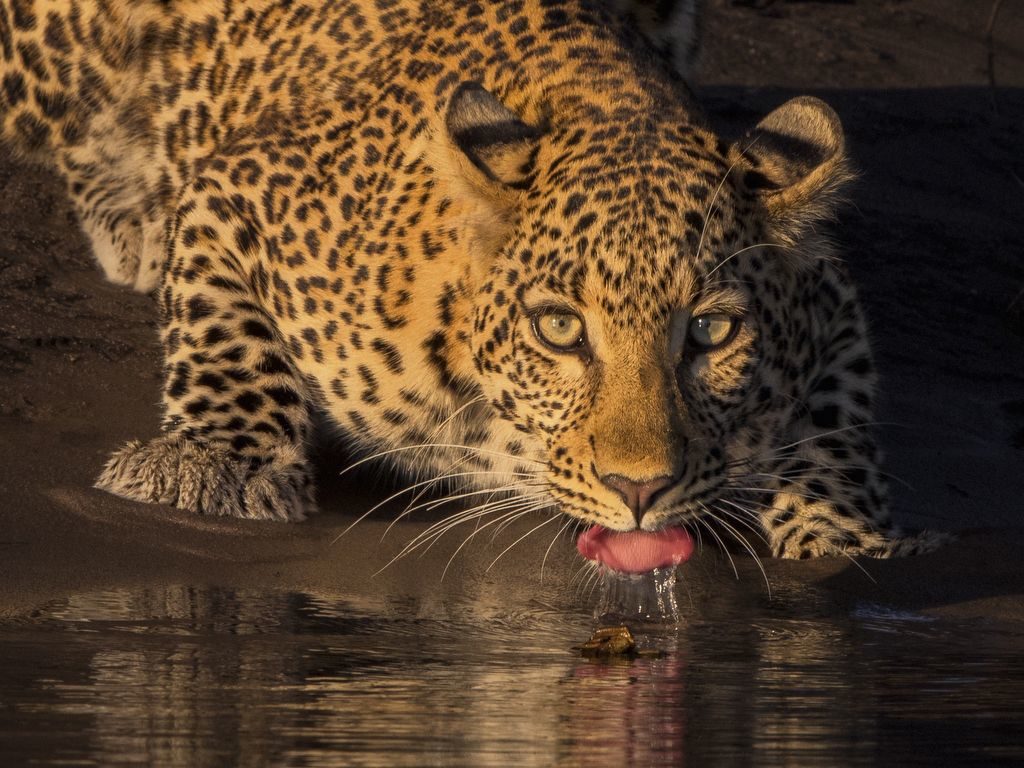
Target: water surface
194, 676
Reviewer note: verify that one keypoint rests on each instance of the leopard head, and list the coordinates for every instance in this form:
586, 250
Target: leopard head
633, 311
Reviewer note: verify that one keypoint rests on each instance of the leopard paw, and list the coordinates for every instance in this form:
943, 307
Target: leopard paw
820, 540
211, 480
814, 541
897, 543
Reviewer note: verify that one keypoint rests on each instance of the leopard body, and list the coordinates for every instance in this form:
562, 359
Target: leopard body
361, 209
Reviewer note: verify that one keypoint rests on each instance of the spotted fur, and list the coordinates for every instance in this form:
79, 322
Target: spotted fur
359, 209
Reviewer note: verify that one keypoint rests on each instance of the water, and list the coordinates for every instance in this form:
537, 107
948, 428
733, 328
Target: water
196, 676
638, 599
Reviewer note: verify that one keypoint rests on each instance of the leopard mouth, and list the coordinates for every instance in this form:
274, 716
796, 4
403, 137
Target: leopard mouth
636, 551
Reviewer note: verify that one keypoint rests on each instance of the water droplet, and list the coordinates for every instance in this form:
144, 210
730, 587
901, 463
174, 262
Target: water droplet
637, 598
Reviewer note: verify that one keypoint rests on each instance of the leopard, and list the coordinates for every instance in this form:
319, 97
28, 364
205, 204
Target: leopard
492, 244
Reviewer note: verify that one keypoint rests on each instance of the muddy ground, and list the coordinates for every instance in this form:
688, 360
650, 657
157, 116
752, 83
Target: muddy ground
932, 97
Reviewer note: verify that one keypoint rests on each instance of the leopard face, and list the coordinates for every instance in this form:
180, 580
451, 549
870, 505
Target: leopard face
636, 326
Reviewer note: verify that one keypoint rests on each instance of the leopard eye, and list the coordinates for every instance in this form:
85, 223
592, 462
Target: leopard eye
562, 331
711, 331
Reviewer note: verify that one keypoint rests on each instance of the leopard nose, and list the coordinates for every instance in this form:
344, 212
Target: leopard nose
639, 495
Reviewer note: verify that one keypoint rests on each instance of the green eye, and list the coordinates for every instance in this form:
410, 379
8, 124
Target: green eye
711, 331
562, 331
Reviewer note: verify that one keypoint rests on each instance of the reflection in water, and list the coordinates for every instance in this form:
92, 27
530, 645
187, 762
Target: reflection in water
806, 693
190, 676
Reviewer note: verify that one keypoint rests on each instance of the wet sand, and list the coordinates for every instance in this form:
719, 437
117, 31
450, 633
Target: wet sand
934, 237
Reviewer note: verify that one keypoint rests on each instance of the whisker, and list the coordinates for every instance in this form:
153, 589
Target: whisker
432, 504
446, 472
751, 524
813, 466
579, 578
474, 401
436, 431
777, 454
840, 430
495, 533
581, 571
718, 538
714, 200
423, 492
809, 496
746, 545
445, 446
477, 513
848, 556
554, 538
591, 581
529, 532
438, 529
700, 539
515, 515
595, 582
741, 250
405, 490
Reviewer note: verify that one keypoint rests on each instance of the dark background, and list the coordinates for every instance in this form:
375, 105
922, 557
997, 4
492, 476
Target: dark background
930, 93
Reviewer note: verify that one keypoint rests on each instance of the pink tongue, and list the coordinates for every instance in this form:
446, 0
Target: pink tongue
635, 551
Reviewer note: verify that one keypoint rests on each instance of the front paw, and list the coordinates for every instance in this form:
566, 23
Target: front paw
896, 543
813, 540
818, 539
210, 480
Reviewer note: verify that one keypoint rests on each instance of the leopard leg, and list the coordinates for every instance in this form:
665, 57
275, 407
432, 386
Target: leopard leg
129, 247
116, 238
236, 419
123, 218
831, 506
824, 506
831, 497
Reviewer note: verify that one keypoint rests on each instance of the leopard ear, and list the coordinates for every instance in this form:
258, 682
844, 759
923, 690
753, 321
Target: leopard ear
491, 135
486, 163
794, 161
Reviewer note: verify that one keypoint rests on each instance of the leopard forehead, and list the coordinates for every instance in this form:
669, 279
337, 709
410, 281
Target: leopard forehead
629, 227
